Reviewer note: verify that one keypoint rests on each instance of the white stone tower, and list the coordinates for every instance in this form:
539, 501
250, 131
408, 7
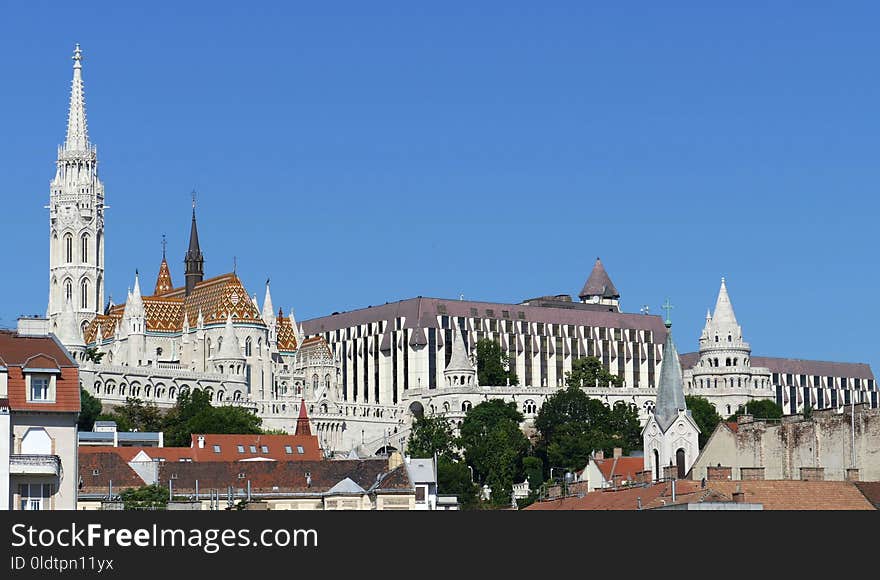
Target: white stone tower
76, 218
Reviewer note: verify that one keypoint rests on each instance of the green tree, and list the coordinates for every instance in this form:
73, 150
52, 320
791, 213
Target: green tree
759, 409
491, 362
194, 413
571, 425
92, 354
587, 372
704, 415
494, 446
89, 410
135, 414
454, 478
145, 497
430, 435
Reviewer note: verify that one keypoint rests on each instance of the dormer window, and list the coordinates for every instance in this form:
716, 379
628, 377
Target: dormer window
253, 448
241, 448
39, 388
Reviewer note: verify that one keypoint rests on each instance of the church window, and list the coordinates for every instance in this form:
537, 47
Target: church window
716, 362
85, 248
68, 290
716, 338
735, 361
247, 347
84, 294
729, 338
327, 381
68, 248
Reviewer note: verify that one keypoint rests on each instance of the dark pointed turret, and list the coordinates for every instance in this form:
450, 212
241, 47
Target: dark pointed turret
670, 390
194, 259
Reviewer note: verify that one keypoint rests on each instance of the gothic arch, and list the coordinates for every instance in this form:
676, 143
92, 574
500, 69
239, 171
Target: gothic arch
84, 247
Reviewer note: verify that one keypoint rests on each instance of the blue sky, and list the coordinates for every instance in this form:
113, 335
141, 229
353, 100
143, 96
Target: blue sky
360, 153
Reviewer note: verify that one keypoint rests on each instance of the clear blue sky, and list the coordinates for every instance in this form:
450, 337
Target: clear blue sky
360, 153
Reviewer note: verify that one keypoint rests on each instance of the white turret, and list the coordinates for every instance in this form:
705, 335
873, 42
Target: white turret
68, 331
459, 371
134, 321
229, 359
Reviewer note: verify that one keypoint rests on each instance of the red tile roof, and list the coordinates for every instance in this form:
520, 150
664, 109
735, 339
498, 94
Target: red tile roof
276, 449
20, 353
773, 495
626, 467
98, 470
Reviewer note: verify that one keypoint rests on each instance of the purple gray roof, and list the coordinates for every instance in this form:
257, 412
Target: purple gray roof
599, 283
421, 313
797, 366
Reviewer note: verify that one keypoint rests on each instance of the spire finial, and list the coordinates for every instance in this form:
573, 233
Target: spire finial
194, 200
234, 264
164, 244
77, 56
667, 306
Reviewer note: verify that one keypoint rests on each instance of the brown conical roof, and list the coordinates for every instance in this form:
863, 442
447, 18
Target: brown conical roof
163, 281
302, 422
599, 283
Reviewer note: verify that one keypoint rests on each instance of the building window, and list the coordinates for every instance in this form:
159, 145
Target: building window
216, 449
253, 448
35, 496
241, 448
85, 248
68, 248
68, 290
247, 347
300, 450
288, 449
84, 294
40, 388
264, 449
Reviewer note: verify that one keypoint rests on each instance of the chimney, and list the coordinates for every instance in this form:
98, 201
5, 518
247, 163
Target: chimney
617, 478
719, 473
599, 455
852, 474
618, 452
201, 441
395, 460
739, 497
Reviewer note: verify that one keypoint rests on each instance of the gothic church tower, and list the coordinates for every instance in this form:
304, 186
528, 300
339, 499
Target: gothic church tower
76, 218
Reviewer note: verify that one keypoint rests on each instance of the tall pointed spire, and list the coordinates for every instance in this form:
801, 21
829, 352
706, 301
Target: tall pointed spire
77, 130
670, 390
194, 259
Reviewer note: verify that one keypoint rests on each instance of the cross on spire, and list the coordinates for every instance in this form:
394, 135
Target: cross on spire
164, 245
194, 199
667, 306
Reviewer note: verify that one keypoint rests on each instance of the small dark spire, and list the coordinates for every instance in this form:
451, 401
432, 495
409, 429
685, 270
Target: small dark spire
194, 260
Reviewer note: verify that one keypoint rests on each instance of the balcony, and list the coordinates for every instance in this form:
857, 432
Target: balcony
35, 465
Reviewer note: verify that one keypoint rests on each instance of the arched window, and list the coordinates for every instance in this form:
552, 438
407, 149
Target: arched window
716, 338
248, 346
729, 338
465, 406
208, 347
68, 248
727, 362
657, 474
315, 382
84, 294
84, 247
680, 463
327, 380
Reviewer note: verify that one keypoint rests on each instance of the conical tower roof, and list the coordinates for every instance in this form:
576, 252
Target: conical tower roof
163, 281
268, 313
229, 348
670, 390
723, 315
69, 333
302, 422
459, 362
599, 284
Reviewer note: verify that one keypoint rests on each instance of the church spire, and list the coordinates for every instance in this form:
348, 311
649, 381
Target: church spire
459, 371
194, 259
77, 131
302, 422
670, 390
268, 313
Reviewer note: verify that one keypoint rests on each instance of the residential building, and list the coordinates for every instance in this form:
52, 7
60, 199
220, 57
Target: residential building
423, 475
39, 406
105, 433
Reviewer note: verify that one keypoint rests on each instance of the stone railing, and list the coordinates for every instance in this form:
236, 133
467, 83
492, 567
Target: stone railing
24, 464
